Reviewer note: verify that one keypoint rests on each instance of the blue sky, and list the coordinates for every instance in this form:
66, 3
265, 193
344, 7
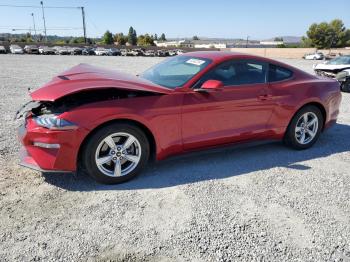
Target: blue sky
180, 18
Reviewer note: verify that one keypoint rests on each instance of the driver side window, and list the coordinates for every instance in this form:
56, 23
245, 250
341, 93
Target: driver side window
237, 72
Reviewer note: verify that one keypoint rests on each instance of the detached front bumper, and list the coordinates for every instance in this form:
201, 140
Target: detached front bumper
48, 150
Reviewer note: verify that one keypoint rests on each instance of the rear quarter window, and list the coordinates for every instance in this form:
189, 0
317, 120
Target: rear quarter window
279, 73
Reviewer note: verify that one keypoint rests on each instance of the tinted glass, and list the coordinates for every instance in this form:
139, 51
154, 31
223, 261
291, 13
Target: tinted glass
237, 72
176, 71
278, 73
341, 60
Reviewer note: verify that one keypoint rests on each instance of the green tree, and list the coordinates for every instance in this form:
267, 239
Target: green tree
347, 37
195, 38
77, 40
59, 42
120, 38
162, 37
340, 32
155, 37
321, 35
132, 36
107, 38
145, 40
327, 35
306, 42
278, 39
28, 38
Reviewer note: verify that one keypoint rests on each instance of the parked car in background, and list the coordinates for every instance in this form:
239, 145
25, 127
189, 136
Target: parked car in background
124, 52
76, 51
149, 53
179, 51
88, 51
101, 51
162, 53
16, 49
31, 49
338, 68
2, 50
137, 52
111, 123
62, 50
114, 52
130, 52
314, 56
45, 50
172, 52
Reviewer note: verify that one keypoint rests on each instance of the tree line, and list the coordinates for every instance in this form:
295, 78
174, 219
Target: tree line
327, 35
131, 38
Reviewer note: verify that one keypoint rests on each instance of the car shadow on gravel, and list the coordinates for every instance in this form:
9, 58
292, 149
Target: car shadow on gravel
216, 164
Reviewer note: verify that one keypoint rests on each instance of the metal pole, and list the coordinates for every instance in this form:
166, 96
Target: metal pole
42, 8
84, 25
246, 45
34, 26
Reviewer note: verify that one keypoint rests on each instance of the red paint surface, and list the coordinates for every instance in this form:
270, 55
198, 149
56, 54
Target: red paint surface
181, 119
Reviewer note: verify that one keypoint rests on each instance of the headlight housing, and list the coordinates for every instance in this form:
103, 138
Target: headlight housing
54, 122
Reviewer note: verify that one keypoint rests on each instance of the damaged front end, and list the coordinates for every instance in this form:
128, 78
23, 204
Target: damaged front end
342, 75
344, 80
66, 103
49, 140
51, 133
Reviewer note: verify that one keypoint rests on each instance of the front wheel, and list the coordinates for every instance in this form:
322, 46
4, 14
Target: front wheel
345, 86
305, 128
116, 153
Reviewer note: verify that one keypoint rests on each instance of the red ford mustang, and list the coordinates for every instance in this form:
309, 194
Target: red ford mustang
111, 124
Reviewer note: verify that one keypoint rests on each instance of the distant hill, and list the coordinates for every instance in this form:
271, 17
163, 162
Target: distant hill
288, 39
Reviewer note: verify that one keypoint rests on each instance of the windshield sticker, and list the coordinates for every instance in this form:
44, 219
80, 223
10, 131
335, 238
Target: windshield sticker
196, 62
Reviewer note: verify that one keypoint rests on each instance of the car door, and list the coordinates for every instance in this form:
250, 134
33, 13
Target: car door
240, 111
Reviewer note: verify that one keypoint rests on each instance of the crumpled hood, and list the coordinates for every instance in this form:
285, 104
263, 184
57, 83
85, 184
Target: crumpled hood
86, 77
330, 67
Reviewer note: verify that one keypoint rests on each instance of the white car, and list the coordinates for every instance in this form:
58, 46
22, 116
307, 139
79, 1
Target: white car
45, 50
16, 49
2, 50
314, 56
179, 52
338, 68
101, 51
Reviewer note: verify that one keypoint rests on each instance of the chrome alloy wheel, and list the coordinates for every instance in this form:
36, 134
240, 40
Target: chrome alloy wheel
306, 128
118, 154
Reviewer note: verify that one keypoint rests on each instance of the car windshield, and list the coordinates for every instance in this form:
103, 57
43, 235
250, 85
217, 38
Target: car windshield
176, 71
341, 60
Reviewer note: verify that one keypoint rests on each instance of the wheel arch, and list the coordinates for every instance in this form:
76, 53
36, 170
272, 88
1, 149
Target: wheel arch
150, 136
316, 104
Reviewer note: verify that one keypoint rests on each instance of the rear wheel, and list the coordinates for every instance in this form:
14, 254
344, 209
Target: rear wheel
305, 128
116, 153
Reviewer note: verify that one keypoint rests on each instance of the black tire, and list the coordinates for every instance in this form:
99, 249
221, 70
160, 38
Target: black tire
88, 155
290, 137
345, 86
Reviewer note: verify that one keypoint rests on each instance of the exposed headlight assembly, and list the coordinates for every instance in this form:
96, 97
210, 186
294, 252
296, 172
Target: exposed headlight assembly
53, 122
342, 76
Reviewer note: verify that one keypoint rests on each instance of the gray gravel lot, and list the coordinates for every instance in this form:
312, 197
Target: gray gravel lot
264, 203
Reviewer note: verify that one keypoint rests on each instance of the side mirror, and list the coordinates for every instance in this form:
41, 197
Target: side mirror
211, 85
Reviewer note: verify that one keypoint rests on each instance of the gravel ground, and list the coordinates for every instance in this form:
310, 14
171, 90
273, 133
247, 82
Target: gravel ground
264, 203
